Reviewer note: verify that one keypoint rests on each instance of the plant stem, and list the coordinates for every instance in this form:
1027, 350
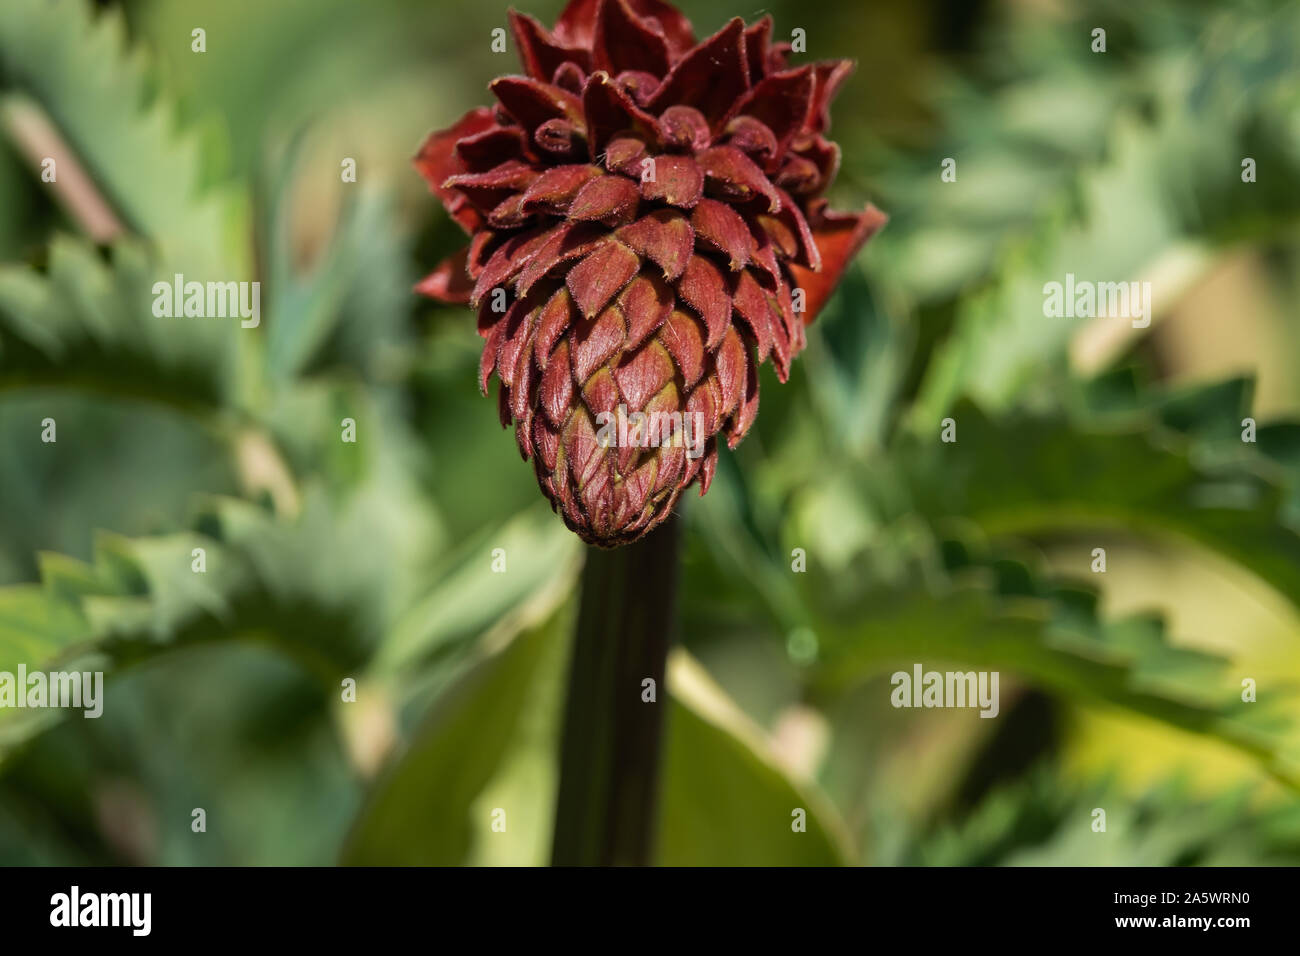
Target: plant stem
609, 759
35, 134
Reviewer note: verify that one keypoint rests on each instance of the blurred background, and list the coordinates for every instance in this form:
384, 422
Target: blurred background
329, 562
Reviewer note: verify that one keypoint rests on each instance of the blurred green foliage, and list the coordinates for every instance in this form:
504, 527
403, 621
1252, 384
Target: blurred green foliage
372, 562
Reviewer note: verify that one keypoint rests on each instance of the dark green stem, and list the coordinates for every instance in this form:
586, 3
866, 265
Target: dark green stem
609, 760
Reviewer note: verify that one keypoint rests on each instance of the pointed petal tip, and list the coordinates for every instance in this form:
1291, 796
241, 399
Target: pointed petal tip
839, 237
449, 282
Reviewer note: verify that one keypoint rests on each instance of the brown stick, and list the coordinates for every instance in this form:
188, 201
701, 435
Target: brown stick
37, 138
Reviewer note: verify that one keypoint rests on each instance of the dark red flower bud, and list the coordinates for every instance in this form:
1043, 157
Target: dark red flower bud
646, 230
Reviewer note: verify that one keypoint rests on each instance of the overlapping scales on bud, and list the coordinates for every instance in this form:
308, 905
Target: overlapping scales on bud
645, 230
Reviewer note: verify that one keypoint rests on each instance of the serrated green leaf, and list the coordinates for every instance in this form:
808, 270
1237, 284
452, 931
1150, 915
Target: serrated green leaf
89, 324
75, 65
262, 581
1167, 194
1038, 475
1042, 820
